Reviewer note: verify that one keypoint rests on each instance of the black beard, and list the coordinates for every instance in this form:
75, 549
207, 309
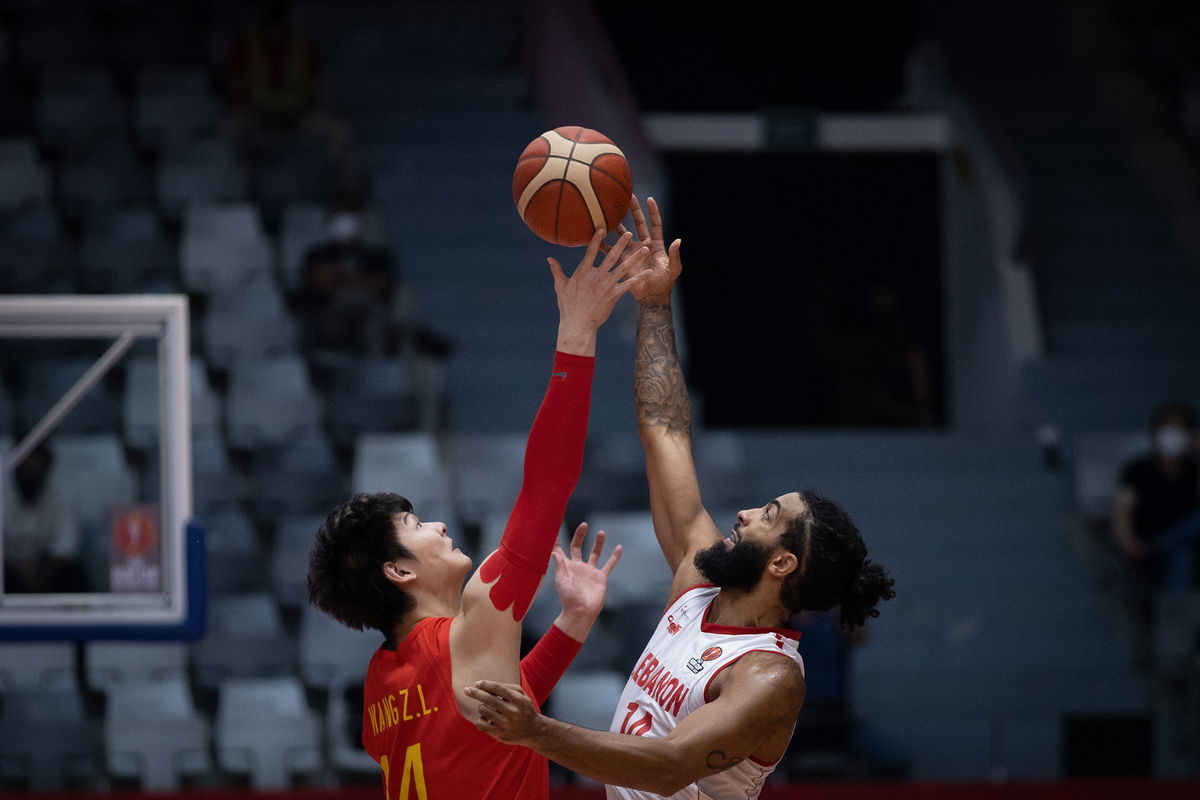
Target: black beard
739, 567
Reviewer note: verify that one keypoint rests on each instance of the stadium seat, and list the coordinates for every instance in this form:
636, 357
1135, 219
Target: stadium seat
27, 665
270, 401
300, 476
235, 559
116, 264
376, 395
140, 407
644, 575
173, 107
23, 179
265, 729
111, 664
245, 638
35, 257
47, 381
77, 106
223, 246
94, 468
332, 655
153, 733
202, 172
216, 484
104, 175
46, 739
248, 322
343, 731
489, 469
289, 559
587, 699
408, 463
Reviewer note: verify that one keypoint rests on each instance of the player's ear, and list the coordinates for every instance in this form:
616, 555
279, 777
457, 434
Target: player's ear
398, 573
783, 563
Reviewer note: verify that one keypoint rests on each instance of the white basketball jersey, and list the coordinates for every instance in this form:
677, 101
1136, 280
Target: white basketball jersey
672, 678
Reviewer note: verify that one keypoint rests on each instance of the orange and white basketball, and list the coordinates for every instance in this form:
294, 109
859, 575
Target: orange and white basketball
569, 182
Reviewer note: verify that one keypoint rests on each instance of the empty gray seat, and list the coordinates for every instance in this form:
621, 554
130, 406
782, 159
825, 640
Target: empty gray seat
332, 655
153, 733
110, 664
33, 665
77, 106
265, 729
245, 638
201, 172
46, 739
223, 246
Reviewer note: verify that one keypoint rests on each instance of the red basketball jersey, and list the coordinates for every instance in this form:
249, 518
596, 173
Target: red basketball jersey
426, 749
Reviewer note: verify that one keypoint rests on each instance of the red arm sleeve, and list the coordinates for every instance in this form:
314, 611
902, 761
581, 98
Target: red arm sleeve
553, 461
547, 661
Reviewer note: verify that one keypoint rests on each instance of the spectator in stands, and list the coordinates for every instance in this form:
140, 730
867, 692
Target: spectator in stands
1155, 513
348, 293
41, 535
276, 84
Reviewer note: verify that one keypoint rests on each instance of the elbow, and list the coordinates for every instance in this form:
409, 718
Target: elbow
667, 786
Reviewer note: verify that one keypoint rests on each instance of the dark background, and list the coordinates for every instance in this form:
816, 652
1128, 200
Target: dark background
783, 248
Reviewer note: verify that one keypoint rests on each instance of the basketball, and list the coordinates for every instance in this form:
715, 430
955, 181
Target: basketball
569, 182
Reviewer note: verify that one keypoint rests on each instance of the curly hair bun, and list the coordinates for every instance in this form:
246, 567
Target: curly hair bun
870, 586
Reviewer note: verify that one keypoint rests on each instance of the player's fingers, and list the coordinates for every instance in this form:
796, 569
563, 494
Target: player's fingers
634, 283
621, 229
639, 220
589, 258
656, 226
556, 271
597, 549
673, 254
612, 560
631, 263
614, 255
502, 691
577, 542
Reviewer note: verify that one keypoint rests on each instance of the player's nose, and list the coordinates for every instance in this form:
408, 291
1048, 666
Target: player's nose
743, 517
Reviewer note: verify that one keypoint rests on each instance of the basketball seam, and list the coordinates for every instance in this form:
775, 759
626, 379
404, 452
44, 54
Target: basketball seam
562, 186
605, 172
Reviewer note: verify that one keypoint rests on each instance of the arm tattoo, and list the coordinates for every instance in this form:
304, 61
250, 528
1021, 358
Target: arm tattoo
659, 390
718, 760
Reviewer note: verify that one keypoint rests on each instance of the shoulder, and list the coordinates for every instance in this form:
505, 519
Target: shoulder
771, 679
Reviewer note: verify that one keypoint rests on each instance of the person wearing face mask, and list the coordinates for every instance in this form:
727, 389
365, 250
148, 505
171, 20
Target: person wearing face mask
1157, 502
41, 536
347, 296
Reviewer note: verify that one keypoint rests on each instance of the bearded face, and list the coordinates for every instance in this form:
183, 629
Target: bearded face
739, 566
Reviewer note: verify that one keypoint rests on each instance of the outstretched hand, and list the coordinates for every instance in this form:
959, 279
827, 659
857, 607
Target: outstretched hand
582, 584
663, 266
587, 297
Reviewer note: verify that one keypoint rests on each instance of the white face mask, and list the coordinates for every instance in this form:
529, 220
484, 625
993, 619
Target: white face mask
345, 226
1172, 442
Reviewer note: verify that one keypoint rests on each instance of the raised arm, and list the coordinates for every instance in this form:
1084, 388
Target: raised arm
664, 411
485, 635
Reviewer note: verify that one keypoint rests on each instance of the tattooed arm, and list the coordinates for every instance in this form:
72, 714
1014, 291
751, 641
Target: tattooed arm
664, 412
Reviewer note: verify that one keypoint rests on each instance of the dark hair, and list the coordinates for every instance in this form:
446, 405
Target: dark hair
1175, 409
834, 569
345, 575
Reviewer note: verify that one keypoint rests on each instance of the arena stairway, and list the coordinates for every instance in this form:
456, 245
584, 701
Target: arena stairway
996, 633
441, 127
1119, 296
